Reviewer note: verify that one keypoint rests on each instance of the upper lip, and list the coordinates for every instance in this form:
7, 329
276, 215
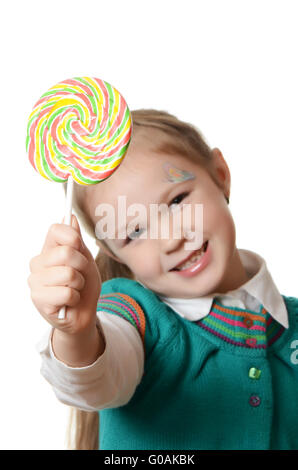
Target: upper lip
188, 257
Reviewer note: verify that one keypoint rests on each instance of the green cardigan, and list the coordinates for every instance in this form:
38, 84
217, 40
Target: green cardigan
227, 381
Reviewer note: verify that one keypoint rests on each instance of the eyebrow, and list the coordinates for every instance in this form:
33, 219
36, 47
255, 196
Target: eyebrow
162, 197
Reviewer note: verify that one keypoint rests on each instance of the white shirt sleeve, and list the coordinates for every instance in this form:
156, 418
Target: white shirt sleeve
110, 381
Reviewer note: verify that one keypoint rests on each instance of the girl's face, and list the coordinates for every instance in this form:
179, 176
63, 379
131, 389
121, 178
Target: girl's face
145, 178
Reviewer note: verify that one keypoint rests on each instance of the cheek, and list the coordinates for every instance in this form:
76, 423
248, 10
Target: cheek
219, 222
143, 261
225, 230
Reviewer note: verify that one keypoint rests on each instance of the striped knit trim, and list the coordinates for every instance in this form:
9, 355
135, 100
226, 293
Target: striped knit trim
125, 307
228, 324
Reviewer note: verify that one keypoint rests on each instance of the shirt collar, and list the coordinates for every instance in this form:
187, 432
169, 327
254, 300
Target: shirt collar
259, 289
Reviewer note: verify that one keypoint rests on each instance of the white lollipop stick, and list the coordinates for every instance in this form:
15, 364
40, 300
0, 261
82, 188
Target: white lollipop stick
67, 221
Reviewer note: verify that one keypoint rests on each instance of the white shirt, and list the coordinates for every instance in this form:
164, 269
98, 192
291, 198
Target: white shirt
112, 379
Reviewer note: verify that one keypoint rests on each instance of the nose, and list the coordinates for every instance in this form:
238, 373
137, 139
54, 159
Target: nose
173, 233
171, 245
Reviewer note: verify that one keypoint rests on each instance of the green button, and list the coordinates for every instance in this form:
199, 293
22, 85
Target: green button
254, 373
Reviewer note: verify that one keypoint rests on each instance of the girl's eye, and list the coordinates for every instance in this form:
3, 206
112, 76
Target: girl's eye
134, 234
178, 198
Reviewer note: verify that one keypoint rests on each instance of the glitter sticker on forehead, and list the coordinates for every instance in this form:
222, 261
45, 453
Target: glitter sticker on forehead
175, 175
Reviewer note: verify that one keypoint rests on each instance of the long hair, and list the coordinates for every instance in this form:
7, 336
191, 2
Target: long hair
182, 138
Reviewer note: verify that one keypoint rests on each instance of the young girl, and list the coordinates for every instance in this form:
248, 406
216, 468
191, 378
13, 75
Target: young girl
171, 348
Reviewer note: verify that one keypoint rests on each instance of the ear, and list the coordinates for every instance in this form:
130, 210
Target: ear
107, 251
222, 171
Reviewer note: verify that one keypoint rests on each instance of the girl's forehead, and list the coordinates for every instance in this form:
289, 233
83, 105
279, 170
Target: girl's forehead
151, 163
154, 168
142, 176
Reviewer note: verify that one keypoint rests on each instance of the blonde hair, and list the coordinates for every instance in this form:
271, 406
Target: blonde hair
180, 138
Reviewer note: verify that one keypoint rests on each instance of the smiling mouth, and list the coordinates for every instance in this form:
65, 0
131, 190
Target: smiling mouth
193, 258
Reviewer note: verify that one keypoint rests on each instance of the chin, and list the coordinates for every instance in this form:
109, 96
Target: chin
210, 283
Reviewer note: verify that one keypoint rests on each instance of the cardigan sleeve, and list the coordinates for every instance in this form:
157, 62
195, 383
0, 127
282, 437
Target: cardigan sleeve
110, 381
127, 316
139, 306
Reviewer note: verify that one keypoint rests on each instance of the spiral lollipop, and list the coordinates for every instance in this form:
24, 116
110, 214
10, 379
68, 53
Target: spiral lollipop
79, 130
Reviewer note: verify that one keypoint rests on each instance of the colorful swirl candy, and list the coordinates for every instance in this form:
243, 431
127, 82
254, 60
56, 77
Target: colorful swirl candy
80, 127
79, 131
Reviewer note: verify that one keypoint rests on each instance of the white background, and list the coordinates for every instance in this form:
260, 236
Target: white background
229, 67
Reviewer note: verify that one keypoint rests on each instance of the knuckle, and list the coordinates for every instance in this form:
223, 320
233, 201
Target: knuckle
34, 297
29, 280
53, 230
32, 263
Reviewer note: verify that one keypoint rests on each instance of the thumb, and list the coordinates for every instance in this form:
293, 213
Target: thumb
75, 224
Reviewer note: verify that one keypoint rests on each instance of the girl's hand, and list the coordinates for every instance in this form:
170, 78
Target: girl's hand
65, 273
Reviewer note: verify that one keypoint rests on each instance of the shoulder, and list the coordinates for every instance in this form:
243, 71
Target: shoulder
125, 285
292, 308
131, 292
140, 306
291, 301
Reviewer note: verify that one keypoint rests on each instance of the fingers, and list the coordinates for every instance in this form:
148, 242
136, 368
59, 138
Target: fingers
61, 234
53, 298
64, 274
57, 276
59, 256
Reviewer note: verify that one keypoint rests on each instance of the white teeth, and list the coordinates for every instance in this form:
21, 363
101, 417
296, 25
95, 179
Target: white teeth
192, 260
195, 257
